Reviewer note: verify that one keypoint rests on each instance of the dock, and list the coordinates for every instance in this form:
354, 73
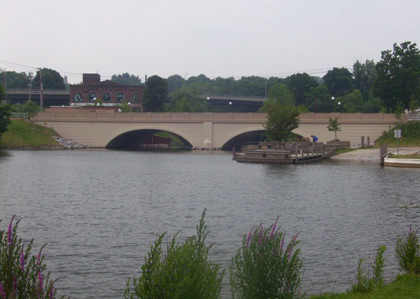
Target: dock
284, 153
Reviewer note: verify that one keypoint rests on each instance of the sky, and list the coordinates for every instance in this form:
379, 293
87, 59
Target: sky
217, 38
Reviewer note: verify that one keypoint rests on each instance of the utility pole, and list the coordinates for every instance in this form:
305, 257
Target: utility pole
41, 95
5, 85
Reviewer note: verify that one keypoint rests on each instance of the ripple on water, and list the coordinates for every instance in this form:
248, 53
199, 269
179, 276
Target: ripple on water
100, 211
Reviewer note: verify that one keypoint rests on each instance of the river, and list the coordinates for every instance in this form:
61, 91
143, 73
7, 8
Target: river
100, 211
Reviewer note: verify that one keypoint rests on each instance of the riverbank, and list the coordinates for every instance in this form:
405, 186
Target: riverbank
24, 135
404, 287
372, 154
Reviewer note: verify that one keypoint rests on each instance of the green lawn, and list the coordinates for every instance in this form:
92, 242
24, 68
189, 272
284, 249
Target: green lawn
410, 135
404, 287
417, 156
23, 134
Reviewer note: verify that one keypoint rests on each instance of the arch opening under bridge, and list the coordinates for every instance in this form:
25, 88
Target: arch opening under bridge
135, 139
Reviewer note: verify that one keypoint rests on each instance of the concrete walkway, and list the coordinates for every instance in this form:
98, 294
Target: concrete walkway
372, 154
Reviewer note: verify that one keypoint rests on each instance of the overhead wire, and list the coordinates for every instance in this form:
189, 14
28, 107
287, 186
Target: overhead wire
79, 75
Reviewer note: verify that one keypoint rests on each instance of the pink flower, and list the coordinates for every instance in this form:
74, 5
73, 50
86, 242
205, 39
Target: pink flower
22, 260
41, 284
274, 228
248, 239
9, 233
2, 292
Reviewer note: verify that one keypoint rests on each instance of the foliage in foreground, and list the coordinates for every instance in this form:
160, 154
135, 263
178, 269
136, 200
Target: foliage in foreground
183, 271
266, 267
22, 275
4, 118
408, 253
367, 280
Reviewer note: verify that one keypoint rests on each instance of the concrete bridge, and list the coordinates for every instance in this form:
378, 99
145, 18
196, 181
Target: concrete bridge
202, 130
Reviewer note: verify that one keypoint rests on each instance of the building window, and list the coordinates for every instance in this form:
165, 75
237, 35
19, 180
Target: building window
120, 97
78, 97
134, 97
107, 97
92, 97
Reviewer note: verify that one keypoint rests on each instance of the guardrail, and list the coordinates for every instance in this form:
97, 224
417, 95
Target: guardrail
19, 115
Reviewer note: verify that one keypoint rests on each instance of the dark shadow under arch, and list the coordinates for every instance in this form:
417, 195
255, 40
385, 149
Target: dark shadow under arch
134, 139
240, 140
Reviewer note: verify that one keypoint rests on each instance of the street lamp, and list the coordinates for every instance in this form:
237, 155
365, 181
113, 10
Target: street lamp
339, 106
333, 99
230, 105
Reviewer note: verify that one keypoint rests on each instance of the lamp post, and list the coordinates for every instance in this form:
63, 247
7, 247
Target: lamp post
30, 86
230, 105
333, 99
339, 106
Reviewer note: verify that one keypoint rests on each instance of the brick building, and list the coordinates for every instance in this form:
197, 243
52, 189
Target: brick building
108, 92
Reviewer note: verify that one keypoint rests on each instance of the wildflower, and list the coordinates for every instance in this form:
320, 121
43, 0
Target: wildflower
22, 259
261, 230
41, 284
281, 245
274, 228
52, 291
248, 239
2, 292
9, 234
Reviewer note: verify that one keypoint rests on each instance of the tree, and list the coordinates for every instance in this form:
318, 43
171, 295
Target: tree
15, 80
126, 79
398, 75
318, 99
51, 79
334, 126
281, 94
364, 75
339, 81
300, 84
4, 118
281, 120
175, 82
155, 94
184, 100
352, 102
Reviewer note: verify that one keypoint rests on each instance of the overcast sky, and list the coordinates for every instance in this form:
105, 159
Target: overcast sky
215, 38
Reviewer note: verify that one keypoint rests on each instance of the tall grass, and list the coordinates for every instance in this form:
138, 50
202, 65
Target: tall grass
266, 267
408, 253
182, 271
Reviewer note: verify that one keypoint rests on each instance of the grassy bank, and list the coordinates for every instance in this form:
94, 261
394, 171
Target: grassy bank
26, 135
410, 135
405, 286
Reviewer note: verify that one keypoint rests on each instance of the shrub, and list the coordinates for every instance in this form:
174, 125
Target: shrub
374, 276
408, 253
183, 271
22, 275
265, 267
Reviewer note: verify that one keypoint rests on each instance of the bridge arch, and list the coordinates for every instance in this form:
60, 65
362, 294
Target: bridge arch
133, 137
240, 136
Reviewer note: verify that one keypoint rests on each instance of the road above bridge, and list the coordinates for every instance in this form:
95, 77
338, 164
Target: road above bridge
202, 130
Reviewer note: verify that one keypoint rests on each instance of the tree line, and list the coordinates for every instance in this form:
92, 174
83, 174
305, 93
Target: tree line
390, 84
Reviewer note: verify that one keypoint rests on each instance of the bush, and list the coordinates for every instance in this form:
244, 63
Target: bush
265, 267
22, 275
374, 277
182, 271
408, 253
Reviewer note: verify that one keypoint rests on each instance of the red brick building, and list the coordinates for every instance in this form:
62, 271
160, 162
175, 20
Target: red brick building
108, 92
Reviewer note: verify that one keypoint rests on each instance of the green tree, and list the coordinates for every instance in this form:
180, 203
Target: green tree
125, 107
15, 80
184, 100
281, 120
318, 99
398, 75
30, 107
373, 105
281, 94
334, 126
300, 84
339, 81
4, 118
353, 102
51, 79
126, 79
155, 94
364, 76
175, 82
